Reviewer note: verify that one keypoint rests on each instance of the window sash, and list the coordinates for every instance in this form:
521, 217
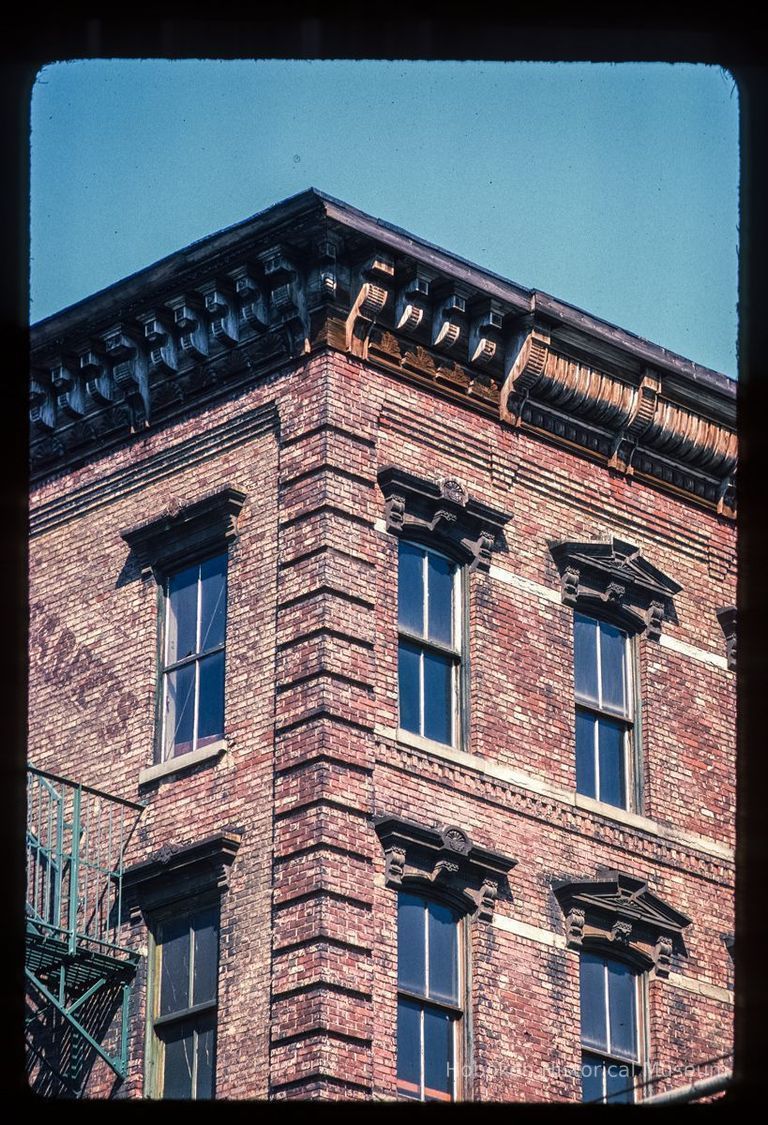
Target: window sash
598, 703
589, 769
172, 671
602, 994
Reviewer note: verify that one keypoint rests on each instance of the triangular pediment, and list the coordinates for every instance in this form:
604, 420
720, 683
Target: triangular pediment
625, 898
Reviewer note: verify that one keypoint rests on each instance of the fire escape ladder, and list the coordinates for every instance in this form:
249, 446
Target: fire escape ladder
78, 974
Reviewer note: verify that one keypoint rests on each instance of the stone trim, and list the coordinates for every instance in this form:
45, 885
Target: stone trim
618, 910
182, 762
441, 511
445, 860
614, 577
181, 871
727, 616
181, 533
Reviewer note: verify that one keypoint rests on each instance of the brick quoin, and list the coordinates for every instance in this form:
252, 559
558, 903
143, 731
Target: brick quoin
351, 387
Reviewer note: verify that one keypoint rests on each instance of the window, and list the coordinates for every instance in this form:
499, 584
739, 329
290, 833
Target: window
429, 1013
604, 723
610, 1029
429, 656
193, 657
183, 1010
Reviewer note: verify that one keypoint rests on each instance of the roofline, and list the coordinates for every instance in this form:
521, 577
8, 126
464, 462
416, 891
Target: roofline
533, 301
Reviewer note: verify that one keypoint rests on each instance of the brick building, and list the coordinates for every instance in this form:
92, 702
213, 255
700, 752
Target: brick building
382, 652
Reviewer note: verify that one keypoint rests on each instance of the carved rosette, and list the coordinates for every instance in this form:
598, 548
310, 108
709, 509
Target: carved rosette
443, 512
444, 861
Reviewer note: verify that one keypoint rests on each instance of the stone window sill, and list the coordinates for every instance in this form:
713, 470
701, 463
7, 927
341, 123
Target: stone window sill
182, 762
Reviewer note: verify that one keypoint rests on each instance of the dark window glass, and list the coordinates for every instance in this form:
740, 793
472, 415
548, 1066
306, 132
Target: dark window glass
586, 775
193, 706
427, 672
411, 945
410, 588
438, 697
409, 1048
600, 678
440, 584
585, 656
622, 1016
428, 970
185, 1031
612, 657
608, 1026
409, 679
443, 954
611, 737
438, 1054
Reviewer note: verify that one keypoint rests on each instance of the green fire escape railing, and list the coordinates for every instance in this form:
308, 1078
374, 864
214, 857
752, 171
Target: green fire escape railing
78, 973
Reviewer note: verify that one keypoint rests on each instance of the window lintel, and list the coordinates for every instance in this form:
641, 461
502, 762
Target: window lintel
182, 532
618, 913
181, 871
614, 578
443, 862
441, 514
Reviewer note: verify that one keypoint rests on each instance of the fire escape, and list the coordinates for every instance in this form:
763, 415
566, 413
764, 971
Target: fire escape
78, 975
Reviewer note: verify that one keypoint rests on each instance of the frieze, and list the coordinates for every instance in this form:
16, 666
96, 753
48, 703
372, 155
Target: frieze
556, 814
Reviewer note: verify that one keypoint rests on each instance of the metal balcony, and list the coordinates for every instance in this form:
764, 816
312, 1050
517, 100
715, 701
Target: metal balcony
78, 974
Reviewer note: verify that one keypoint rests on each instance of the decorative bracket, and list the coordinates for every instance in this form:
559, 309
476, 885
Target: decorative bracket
467, 876
614, 575
619, 910
180, 533
441, 510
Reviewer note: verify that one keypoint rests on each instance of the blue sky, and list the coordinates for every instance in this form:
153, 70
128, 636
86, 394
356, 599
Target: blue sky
611, 186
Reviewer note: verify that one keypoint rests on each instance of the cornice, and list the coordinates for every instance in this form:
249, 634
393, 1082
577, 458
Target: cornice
311, 273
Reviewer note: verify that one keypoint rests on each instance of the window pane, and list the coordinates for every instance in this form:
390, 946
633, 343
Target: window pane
586, 781
612, 656
438, 697
213, 602
409, 1048
205, 966
618, 1083
409, 659
206, 1058
611, 755
592, 1078
210, 719
410, 588
174, 967
182, 615
585, 656
440, 599
438, 1055
621, 1009
594, 1032
179, 710
443, 953
179, 1052
411, 920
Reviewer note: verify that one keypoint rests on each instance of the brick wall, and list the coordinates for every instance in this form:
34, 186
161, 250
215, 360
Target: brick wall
307, 983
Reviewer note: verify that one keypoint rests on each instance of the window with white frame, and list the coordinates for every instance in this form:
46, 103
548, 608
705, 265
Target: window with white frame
429, 1006
604, 688
429, 651
192, 687
611, 1028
